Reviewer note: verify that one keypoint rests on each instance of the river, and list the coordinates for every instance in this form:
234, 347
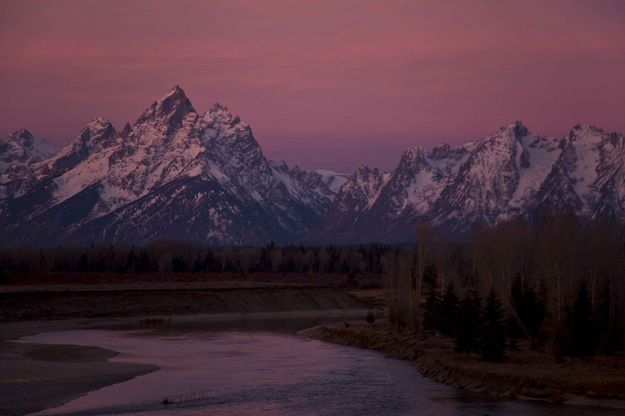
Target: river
268, 370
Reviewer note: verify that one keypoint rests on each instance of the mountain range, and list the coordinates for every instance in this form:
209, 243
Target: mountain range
179, 174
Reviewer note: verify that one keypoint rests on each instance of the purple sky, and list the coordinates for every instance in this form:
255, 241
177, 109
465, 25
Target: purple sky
323, 83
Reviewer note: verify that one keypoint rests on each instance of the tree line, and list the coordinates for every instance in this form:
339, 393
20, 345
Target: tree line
188, 257
560, 285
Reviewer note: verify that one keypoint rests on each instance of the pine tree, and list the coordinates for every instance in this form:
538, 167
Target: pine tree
529, 308
493, 338
432, 307
448, 311
468, 323
83, 263
608, 323
515, 321
583, 333
131, 261
534, 312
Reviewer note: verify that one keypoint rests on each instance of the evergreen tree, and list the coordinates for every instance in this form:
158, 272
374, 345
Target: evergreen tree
493, 338
432, 307
529, 309
178, 264
533, 312
448, 311
515, 320
210, 263
131, 261
468, 323
83, 263
583, 333
609, 323
143, 264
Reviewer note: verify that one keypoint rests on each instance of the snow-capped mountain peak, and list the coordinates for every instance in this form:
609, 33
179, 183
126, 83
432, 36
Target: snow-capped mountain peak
125, 131
96, 135
21, 149
173, 174
167, 113
221, 112
517, 128
22, 137
181, 175
512, 173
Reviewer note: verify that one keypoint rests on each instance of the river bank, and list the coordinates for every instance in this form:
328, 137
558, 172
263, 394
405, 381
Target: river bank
35, 377
67, 301
524, 374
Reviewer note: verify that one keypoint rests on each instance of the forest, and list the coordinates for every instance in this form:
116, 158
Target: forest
558, 285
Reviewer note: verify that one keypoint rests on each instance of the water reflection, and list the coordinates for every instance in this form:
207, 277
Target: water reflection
260, 372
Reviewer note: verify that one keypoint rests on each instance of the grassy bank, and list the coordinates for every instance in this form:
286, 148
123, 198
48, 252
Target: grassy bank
67, 301
524, 374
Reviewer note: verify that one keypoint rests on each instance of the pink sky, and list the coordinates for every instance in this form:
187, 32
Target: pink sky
327, 84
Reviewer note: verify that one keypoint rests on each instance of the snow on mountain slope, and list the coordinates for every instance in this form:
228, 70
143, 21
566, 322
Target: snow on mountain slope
206, 170
355, 197
332, 179
20, 148
176, 173
497, 180
588, 178
510, 174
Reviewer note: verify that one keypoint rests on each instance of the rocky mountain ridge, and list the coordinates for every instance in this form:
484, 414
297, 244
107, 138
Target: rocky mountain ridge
175, 173
179, 174
512, 174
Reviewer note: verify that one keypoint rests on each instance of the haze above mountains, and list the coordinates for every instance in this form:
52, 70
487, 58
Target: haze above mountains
180, 174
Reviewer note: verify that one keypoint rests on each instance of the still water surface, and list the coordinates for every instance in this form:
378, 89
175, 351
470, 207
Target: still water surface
268, 371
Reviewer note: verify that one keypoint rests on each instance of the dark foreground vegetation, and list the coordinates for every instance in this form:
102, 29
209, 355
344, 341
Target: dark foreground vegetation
560, 286
187, 257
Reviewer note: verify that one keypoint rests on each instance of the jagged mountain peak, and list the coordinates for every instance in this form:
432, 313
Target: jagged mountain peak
98, 123
178, 174
510, 174
517, 128
363, 171
441, 151
219, 108
126, 130
413, 152
413, 156
22, 136
586, 133
508, 135
222, 113
98, 133
176, 90
173, 174
169, 111
21, 148
175, 96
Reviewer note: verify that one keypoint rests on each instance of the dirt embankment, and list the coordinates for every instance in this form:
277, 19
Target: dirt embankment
598, 381
34, 377
21, 303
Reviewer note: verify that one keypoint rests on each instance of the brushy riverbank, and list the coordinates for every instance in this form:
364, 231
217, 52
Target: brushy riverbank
524, 374
36, 302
